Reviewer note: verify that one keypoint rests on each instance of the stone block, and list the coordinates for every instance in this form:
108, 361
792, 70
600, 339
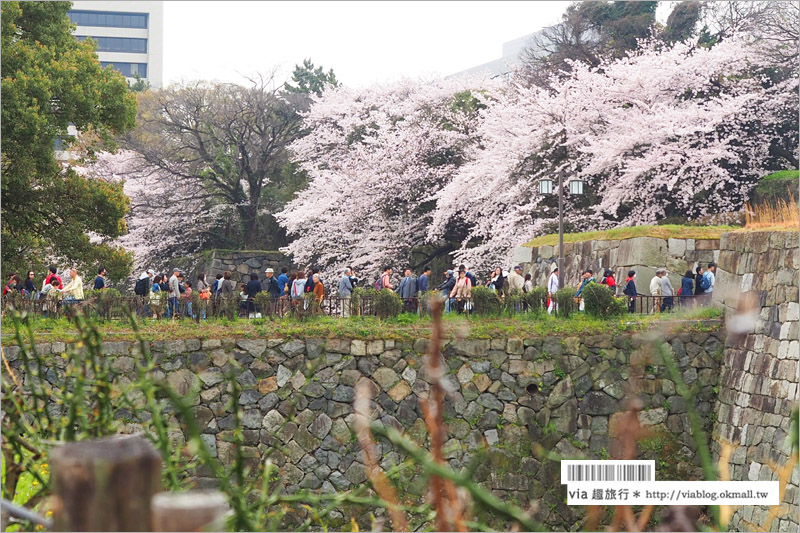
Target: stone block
649, 251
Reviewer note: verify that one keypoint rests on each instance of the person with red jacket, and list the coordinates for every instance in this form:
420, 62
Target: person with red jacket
53, 275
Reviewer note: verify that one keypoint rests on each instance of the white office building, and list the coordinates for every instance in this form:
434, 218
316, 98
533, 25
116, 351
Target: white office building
503, 65
129, 35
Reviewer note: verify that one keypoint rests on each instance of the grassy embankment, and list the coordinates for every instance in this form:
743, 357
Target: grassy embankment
403, 327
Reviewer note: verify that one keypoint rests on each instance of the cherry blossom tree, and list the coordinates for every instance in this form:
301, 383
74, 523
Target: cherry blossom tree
668, 130
376, 159
162, 224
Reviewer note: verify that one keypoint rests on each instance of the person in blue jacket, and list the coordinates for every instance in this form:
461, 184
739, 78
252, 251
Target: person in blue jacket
630, 290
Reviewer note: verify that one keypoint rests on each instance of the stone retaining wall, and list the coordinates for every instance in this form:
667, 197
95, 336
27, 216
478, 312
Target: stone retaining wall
506, 394
759, 381
642, 254
240, 263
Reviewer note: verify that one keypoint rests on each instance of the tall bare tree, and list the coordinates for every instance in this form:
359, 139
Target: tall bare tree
223, 144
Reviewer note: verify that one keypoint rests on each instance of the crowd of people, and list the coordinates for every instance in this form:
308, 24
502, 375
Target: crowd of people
173, 296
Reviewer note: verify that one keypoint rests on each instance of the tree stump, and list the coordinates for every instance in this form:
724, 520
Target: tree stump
194, 510
104, 485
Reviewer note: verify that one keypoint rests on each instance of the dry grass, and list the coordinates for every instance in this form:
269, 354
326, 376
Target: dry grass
781, 215
667, 231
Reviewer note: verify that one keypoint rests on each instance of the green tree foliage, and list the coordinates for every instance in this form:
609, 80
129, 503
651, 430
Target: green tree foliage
50, 80
309, 79
682, 22
588, 32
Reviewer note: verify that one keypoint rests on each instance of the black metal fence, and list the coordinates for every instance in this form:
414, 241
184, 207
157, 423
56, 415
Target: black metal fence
108, 305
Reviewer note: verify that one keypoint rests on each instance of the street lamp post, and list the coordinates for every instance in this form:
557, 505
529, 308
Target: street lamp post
546, 188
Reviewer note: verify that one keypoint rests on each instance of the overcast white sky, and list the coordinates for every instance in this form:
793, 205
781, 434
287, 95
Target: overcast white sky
364, 42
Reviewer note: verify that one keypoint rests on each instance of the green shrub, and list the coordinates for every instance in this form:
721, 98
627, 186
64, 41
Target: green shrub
600, 301
358, 305
105, 301
565, 302
387, 303
537, 299
262, 300
485, 301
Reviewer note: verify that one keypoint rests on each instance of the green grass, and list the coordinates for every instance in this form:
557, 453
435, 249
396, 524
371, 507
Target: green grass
405, 327
667, 231
782, 175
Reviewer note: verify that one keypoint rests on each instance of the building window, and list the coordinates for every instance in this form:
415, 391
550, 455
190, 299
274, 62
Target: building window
118, 44
129, 70
108, 19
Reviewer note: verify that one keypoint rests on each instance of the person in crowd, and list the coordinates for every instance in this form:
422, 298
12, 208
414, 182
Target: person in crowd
667, 292
272, 287
30, 285
14, 284
609, 281
216, 286
298, 288
156, 295
422, 281
446, 286
204, 291
73, 289
515, 280
698, 282
187, 298
408, 291
469, 275
586, 278
228, 286
252, 288
53, 274
709, 278
165, 284
353, 278
345, 290
386, 279
630, 290
283, 282
319, 294
552, 289
655, 290
201, 283
52, 298
174, 293
461, 291
527, 286
687, 288
496, 281
100, 280
243, 300
308, 288
142, 287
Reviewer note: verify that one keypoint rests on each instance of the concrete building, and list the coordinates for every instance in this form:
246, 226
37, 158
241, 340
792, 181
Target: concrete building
503, 65
129, 35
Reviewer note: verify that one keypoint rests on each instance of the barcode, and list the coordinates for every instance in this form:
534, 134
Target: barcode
572, 471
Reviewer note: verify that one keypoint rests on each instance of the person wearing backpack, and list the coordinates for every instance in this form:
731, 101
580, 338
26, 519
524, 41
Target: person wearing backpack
142, 289
385, 281
446, 286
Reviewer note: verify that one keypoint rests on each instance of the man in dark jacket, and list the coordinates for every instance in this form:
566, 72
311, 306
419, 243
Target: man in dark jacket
273, 287
698, 289
253, 288
446, 286
408, 291
422, 282
630, 290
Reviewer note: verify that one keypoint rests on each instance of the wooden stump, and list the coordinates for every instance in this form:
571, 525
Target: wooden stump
104, 485
194, 510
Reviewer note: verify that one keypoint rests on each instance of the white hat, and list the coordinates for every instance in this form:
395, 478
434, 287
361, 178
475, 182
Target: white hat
151, 271
554, 267
269, 271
